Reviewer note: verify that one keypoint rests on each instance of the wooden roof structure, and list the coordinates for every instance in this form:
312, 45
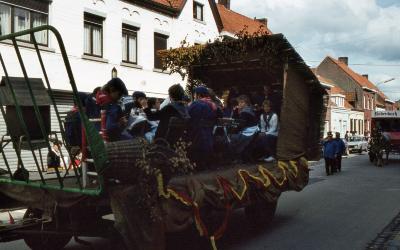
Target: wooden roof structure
250, 63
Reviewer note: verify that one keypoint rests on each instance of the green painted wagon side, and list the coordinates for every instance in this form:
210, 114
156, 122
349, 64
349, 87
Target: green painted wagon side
94, 140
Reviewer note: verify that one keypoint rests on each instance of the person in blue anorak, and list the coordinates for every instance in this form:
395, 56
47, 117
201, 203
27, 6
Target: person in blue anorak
330, 151
117, 119
175, 108
340, 150
203, 117
248, 129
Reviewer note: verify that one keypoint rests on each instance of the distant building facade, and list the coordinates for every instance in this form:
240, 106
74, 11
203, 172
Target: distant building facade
360, 93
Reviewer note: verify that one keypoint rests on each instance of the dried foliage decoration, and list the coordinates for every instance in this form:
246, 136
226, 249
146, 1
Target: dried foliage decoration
159, 158
247, 46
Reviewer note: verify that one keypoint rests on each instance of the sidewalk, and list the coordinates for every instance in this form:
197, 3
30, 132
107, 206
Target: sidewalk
389, 238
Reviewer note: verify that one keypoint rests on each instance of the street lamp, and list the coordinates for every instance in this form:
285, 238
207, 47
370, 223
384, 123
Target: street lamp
386, 81
114, 73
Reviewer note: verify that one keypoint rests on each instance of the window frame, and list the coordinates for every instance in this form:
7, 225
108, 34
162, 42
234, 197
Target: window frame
155, 51
92, 23
30, 12
195, 5
129, 30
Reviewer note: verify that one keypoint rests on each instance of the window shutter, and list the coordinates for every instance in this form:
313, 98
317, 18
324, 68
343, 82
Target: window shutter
160, 43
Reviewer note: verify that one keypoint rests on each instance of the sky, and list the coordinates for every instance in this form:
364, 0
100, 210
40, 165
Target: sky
366, 31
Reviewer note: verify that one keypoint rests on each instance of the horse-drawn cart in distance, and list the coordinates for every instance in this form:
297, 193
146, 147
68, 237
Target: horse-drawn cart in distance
151, 189
385, 137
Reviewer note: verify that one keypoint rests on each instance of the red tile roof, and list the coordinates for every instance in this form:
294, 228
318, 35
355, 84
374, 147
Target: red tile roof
234, 22
176, 4
361, 80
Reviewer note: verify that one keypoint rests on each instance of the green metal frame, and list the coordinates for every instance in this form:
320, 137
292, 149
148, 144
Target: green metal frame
94, 139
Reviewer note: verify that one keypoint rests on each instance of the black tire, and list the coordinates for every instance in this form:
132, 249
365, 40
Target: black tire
261, 213
44, 241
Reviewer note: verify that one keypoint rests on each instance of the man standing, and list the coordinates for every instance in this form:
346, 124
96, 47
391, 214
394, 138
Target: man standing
340, 150
329, 153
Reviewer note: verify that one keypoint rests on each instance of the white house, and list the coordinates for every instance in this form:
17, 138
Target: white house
100, 35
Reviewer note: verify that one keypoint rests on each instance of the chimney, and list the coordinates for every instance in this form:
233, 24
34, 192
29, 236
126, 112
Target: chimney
344, 60
263, 21
226, 3
365, 75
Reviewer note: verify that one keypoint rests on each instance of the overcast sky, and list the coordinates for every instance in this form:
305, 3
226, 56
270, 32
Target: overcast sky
367, 31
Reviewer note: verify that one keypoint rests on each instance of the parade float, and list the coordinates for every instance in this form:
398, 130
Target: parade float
151, 189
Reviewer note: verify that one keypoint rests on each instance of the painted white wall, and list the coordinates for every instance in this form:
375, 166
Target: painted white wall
356, 115
340, 120
67, 17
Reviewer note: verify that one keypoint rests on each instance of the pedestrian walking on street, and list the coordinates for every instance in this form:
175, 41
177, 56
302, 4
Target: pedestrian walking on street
340, 150
329, 153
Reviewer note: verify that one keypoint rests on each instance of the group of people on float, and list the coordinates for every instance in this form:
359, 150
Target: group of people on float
130, 116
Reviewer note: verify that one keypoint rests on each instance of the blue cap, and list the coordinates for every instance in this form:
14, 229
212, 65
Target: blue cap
201, 90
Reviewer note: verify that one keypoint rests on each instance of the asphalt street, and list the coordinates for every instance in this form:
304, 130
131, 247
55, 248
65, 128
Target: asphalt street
343, 211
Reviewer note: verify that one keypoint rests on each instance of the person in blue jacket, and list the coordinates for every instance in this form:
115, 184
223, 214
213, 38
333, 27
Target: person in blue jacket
330, 151
340, 150
116, 121
203, 116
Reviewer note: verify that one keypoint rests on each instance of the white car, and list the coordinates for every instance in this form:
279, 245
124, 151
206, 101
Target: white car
357, 144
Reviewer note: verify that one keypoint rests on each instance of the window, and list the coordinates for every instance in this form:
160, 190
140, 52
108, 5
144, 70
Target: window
129, 44
14, 19
5, 19
160, 43
351, 125
198, 11
93, 35
365, 105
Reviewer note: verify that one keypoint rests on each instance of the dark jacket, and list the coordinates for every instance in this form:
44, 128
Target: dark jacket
340, 146
113, 126
92, 109
330, 149
53, 160
248, 116
174, 109
203, 117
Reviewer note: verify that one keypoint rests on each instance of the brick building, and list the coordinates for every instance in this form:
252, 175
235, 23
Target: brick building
360, 92
341, 116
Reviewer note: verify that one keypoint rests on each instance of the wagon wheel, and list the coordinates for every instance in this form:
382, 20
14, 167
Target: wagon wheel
43, 241
261, 213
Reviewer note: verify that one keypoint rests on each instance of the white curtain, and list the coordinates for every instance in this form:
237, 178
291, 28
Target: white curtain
124, 47
5, 19
86, 41
132, 49
97, 40
39, 20
21, 22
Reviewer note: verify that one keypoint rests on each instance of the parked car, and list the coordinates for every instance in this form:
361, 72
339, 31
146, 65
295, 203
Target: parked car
357, 144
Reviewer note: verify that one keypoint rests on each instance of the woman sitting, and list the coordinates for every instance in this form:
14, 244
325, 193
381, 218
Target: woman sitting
175, 108
116, 121
269, 126
241, 142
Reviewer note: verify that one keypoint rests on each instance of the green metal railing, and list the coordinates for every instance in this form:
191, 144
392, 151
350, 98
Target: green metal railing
95, 142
